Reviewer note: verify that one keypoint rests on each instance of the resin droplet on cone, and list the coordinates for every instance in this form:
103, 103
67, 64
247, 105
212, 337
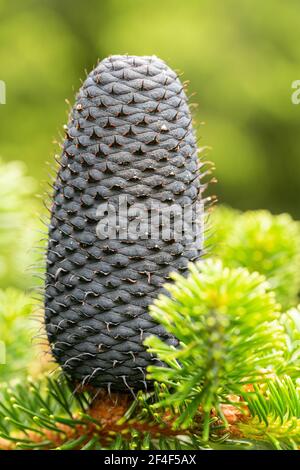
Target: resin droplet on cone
129, 138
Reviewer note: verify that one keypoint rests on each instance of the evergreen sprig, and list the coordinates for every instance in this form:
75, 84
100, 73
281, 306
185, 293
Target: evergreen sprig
290, 320
230, 336
39, 415
49, 415
275, 413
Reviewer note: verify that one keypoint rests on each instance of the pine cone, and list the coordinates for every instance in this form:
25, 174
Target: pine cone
129, 135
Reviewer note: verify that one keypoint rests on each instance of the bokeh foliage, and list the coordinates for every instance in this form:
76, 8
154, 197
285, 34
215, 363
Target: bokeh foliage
240, 59
16, 332
20, 262
262, 242
19, 225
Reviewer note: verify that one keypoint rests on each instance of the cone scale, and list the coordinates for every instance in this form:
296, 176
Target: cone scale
129, 138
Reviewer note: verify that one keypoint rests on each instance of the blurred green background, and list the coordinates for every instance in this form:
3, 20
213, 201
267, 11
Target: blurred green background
239, 56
